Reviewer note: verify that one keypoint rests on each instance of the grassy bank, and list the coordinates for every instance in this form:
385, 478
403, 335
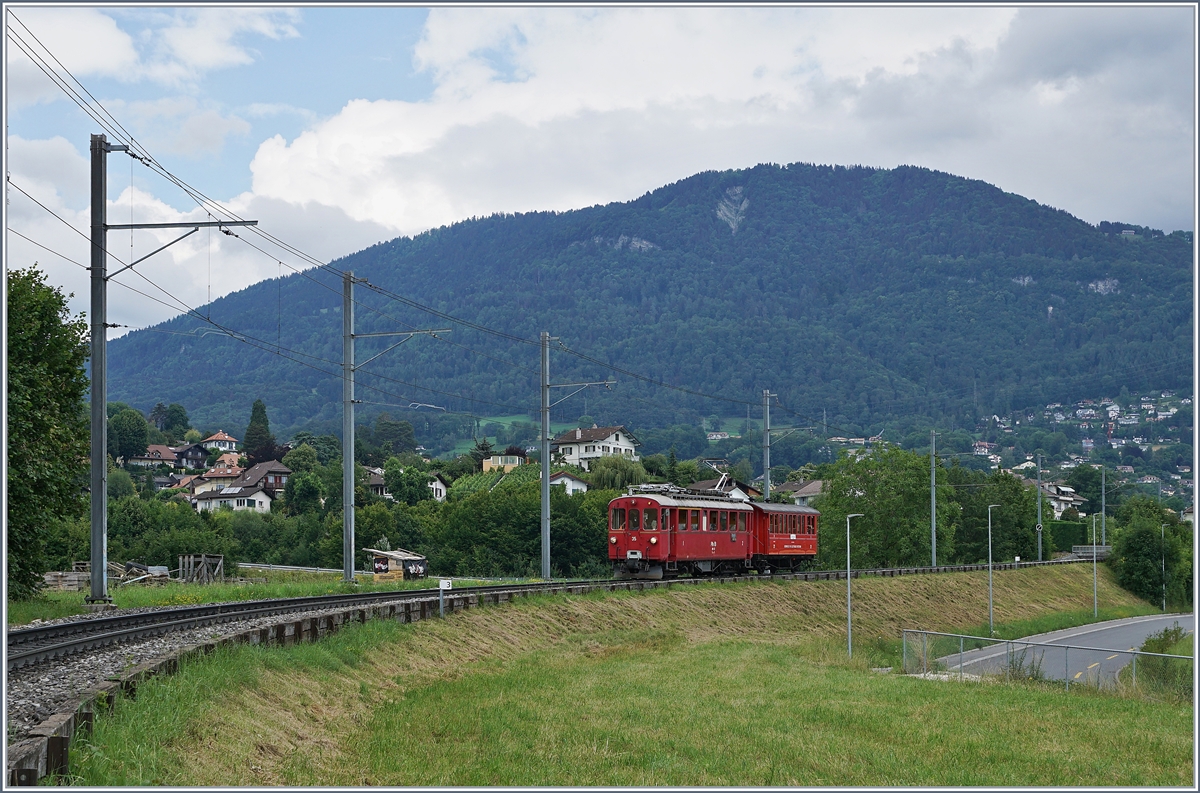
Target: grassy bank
742, 684
279, 584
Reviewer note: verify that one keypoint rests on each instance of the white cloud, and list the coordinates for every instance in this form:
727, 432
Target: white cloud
557, 108
199, 40
173, 49
87, 42
1086, 109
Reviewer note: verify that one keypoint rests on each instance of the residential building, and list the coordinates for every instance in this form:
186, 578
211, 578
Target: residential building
503, 462
728, 486
271, 476
1061, 498
222, 440
1124, 469
228, 459
194, 455
156, 454
236, 498
570, 482
439, 486
801, 492
717, 436
582, 446
217, 478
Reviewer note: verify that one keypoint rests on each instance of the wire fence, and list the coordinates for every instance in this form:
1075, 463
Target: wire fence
965, 657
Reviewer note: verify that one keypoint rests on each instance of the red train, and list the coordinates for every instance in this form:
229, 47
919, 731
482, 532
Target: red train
666, 531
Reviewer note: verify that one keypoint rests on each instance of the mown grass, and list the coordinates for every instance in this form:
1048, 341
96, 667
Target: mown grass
744, 684
280, 584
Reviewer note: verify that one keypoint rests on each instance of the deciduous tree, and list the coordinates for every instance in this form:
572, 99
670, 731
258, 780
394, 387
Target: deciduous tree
47, 422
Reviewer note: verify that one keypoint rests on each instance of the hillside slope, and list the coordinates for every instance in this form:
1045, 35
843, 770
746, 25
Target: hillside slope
869, 293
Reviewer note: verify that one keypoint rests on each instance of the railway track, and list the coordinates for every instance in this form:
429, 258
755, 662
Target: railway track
30, 646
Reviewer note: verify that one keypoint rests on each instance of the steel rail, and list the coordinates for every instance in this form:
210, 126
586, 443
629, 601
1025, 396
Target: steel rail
102, 631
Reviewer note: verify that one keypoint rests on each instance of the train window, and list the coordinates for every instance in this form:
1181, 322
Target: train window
666, 519
712, 520
635, 519
724, 521
741, 519
618, 519
695, 520
651, 523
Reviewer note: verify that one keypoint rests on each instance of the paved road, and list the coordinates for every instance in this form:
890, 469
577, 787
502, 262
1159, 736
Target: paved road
1113, 638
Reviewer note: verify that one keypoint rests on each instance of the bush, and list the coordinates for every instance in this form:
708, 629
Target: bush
1138, 559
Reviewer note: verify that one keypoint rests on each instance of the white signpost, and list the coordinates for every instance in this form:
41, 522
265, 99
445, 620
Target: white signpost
444, 584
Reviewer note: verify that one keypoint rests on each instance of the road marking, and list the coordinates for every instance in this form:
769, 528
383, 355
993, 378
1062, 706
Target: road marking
1109, 658
1077, 674
1093, 666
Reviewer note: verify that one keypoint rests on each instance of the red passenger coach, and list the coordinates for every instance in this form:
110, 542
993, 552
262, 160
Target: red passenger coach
670, 531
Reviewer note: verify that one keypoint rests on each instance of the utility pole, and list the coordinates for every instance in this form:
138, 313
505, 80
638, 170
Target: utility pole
546, 338
767, 444
349, 367
1103, 508
933, 495
1039, 492
100, 148
545, 455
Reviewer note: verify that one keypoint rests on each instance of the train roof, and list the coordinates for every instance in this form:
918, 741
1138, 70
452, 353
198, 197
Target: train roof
793, 509
690, 500
699, 501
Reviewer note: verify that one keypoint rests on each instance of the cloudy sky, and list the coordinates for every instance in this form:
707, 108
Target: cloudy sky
340, 127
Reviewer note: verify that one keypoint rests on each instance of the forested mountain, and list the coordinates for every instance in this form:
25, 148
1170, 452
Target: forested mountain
875, 295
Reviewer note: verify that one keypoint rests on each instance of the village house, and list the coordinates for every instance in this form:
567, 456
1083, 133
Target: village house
728, 486
193, 455
217, 478
236, 498
156, 454
222, 440
801, 492
1061, 498
582, 446
571, 483
438, 485
271, 476
227, 460
503, 462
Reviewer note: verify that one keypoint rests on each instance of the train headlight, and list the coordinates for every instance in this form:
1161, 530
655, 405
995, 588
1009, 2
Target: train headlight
613, 540
654, 541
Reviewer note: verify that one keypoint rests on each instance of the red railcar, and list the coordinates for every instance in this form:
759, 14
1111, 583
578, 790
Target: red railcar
673, 532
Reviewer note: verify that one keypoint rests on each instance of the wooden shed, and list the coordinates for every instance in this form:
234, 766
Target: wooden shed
398, 565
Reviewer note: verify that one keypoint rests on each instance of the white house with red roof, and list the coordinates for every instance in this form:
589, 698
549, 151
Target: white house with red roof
222, 440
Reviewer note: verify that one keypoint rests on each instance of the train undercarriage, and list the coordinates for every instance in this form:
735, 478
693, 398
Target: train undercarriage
646, 570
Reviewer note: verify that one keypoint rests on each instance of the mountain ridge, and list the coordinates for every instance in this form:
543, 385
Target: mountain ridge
875, 295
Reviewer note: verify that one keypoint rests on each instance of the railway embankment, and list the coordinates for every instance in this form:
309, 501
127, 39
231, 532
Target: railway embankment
279, 711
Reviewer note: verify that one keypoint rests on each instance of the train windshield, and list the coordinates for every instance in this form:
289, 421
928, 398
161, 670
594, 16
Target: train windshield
651, 522
618, 518
635, 519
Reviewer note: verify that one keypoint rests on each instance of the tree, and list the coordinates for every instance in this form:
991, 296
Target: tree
258, 441
407, 485
395, 437
302, 458
175, 420
303, 493
47, 422
615, 472
158, 415
192, 436
890, 488
480, 452
128, 434
672, 467
1138, 556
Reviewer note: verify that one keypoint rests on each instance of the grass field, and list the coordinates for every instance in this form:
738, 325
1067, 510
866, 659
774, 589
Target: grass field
729, 685
280, 584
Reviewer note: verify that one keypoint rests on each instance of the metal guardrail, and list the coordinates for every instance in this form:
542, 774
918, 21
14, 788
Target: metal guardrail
923, 655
